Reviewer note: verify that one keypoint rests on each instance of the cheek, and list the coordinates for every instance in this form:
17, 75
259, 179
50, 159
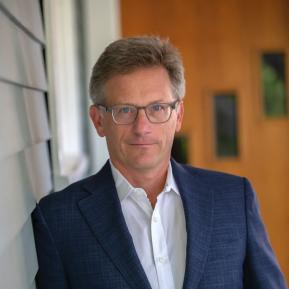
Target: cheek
114, 136
168, 134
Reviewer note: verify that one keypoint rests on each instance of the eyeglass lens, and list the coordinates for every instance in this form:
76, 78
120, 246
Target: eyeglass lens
156, 113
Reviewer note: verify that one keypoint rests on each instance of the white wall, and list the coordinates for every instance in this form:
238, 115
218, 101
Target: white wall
76, 148
35, 114
70, 161
25, 174
102, 26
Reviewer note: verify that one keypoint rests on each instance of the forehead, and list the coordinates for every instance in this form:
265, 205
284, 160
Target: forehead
141, 86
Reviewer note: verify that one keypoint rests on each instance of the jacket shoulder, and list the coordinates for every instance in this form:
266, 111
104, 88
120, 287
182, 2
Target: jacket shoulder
78, 190
65, 197
211, 177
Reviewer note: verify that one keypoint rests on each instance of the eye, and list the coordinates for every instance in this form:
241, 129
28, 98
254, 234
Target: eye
124, 109
157, 107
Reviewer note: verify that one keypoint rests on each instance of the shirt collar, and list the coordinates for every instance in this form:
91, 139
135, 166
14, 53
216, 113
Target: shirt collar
171, 182
124, 188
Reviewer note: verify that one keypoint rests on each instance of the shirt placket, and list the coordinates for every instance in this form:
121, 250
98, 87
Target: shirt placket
160, 252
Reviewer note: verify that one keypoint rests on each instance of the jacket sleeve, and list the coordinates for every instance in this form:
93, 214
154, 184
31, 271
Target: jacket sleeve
261, 269
50, 274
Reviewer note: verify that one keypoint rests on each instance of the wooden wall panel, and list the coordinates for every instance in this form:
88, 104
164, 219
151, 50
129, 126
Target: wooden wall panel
221, 42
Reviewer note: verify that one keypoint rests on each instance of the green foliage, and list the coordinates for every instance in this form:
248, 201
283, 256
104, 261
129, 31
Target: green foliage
274, 92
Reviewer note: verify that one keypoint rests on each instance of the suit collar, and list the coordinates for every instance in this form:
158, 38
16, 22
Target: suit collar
103, 214
197, 200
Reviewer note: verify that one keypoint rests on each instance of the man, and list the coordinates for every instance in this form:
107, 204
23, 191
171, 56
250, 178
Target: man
145, 221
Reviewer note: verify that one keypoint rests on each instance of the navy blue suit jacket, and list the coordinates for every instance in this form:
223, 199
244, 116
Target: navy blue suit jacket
83, 242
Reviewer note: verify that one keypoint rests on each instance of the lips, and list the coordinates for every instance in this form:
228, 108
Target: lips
142, 143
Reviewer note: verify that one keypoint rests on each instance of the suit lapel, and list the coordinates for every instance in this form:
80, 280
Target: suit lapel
198, 206
103, 214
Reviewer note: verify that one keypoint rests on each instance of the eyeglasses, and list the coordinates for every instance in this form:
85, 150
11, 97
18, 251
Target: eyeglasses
127, 113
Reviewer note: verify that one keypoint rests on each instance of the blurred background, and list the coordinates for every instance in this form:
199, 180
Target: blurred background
235, 54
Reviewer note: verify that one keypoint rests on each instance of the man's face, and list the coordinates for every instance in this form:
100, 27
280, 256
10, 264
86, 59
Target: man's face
141, 145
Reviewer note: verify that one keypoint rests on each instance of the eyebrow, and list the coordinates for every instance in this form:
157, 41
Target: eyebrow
153, 102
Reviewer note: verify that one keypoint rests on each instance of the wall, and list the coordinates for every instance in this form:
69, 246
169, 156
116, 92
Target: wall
25, 173
76, 32
67, 104
221, 43
101, 20
46, 140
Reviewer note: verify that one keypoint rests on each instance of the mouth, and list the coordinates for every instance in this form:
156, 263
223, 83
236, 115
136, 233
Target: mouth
142, 144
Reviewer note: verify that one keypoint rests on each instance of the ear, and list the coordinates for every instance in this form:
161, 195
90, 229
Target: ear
97, 118
180, 115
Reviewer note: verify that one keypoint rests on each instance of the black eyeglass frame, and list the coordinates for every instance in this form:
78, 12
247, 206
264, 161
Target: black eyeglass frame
172, 105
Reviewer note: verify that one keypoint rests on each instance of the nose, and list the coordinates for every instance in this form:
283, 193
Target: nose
141, 125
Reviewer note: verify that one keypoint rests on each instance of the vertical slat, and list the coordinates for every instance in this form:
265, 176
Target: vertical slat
26, 120
33, 286
37, 115
27, 14
14, 132
18, 264
38, 166
24, 158
17, 200
21, 58
11, 66
31, 53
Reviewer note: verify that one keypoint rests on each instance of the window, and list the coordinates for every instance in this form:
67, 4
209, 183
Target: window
180, 149
273, 84
225, 113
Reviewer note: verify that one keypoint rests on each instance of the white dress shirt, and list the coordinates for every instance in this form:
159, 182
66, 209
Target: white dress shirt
159, 235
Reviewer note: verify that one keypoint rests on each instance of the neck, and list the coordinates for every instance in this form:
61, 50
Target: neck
152, 180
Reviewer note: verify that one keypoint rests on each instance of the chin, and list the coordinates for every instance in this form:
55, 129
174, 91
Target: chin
145, 163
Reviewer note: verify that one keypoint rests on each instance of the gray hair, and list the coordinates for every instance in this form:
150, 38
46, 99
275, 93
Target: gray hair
128, 54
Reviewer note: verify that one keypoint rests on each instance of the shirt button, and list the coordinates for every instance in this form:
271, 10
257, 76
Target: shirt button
162, 260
